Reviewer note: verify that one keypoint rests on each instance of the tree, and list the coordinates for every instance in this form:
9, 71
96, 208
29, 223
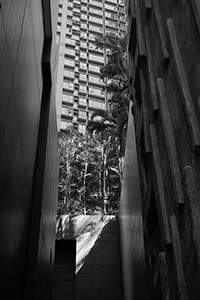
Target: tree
103, 130
116, 66
81, 176
114, 74
70, 169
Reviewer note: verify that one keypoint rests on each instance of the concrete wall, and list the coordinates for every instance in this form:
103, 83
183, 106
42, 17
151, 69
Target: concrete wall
64, 270
164, 60
136, 285
23, 77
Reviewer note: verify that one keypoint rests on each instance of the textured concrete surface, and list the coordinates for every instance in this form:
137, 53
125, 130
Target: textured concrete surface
164, 64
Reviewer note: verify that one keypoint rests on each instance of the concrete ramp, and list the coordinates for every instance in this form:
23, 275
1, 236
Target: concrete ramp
100, 275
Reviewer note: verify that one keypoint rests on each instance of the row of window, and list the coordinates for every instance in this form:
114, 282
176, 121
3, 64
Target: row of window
82, 77
83, 65
70, 112
91, 104
96, 2
85, 55
70, 86
77, 35
95, 16
76, 28
68, 63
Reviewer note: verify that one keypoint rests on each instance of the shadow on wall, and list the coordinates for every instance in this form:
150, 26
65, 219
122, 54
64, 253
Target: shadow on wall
86, 230
99, 272
89, 238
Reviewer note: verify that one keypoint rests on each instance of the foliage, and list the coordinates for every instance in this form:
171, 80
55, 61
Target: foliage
116, 65
80, 174
114, 74
111, 167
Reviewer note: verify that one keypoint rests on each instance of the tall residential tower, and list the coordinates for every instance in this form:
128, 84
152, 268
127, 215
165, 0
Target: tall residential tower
79, 91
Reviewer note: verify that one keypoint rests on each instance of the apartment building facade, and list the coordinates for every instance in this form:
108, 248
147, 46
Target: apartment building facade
79, 90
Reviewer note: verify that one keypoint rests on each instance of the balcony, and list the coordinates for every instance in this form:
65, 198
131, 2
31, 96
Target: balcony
82, 102
67, 99
82, 78
83, 55
82, 115
96, 105
69, 53
66, 113
96, 58
94, 69
68, 74
82, 89
69, 63
95, 29
95, 3
68, 87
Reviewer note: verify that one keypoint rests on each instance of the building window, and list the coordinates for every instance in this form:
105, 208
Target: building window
82, 101
95, 91
83, 77
96, 58
69, 99
68, 62
83, 45
93, 68
68, 85
68, 74
69, 52
83, 35
83, 66
94, 79
96, 105
83, 55
95, 28
97, 20
82, 88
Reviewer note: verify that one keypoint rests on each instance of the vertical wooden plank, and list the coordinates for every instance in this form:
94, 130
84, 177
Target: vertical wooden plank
148, 6
141, 43
196, 9
164, 276
145, 113
191, 192
150, 71
170, 143
159, 188
178, 258
165, 54
184, 88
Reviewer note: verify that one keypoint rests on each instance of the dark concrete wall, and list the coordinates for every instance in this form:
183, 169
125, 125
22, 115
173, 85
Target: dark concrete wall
22, 76
164, 60
64, 270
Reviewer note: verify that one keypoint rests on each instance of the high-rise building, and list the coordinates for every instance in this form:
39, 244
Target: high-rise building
79, 90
